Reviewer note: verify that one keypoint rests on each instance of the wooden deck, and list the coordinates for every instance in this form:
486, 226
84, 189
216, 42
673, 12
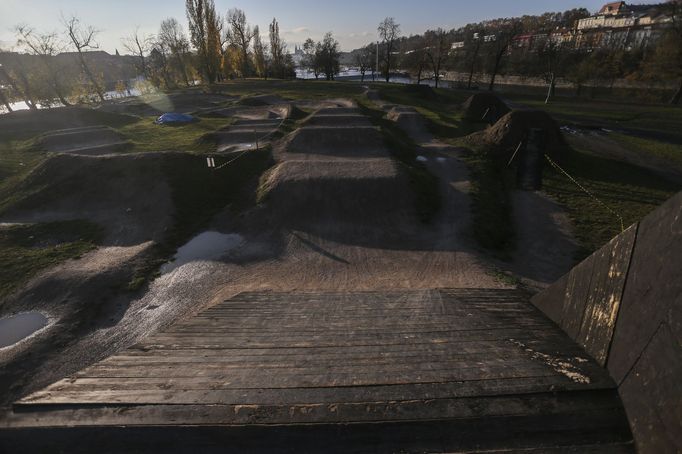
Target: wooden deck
480, 368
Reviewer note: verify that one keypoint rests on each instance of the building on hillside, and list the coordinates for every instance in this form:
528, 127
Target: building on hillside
622, 26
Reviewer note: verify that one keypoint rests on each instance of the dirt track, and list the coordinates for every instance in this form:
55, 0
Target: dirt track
281, 251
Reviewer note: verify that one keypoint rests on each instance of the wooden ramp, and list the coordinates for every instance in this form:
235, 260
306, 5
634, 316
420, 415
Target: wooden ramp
442, 370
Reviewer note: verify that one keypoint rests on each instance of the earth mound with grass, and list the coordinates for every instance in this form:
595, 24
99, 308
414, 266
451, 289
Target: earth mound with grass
410, 121
506, 134
104, 189
484, 107
424, 91
44, 120
92, 140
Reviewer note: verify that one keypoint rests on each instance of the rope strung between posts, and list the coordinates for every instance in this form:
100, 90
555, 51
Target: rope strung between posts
224, 164
608, 208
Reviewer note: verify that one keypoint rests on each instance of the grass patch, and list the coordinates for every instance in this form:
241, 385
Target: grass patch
147, 136
441, 110
28, 249
491, 206
423, 183
664, 119
665, 150
629, 190
290, 89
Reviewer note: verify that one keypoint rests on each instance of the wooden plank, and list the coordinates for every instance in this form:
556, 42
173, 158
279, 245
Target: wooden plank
87, 390
546, 404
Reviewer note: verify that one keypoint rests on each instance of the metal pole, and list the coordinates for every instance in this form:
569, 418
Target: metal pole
377, 63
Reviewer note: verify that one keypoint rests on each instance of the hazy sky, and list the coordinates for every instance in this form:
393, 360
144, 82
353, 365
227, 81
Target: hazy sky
353, 22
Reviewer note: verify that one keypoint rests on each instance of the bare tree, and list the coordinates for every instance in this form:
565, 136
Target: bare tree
437, 51
240, 34
389, 32
173, 38
16, 77
474, 49
45, 46
363, 60
309, 58
4, 100
83, 39
139, 45
499, 46
415, 60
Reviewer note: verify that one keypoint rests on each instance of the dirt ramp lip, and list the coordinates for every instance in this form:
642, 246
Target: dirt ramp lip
360, 190
350, 142
484, 107
344, 120
512, 129
338, 111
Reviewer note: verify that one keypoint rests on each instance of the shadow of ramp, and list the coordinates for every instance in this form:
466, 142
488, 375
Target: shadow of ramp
545, 247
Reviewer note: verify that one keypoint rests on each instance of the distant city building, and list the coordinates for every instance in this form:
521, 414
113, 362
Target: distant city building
619, 25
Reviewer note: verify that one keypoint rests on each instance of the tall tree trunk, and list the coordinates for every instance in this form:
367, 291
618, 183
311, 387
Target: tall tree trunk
678, 95
496, 68
550, 90
5, 101
98, 89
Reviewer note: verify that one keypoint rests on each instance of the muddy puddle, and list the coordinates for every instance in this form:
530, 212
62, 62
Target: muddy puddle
205, 246
17, 327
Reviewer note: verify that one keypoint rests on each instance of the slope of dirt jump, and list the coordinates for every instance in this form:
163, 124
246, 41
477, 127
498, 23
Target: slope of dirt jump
88, 140
484, 107
545, 244
506, 134
157, 103
44, 120
410, 121
104, 189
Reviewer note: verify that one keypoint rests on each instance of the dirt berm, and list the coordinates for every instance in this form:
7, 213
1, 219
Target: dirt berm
44, 120
510, 130
82, 139
363, 189
484, 107
128, 195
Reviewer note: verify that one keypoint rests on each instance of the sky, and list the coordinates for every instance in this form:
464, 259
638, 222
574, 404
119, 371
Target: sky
353, 22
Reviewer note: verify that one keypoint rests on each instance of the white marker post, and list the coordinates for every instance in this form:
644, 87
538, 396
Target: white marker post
210, 162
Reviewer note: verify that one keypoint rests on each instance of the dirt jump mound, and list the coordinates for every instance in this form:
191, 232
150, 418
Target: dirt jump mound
424, 91
87, 140
410, 121
338, 120
513, 128
126, 194
342, 142
484, 107
367, 190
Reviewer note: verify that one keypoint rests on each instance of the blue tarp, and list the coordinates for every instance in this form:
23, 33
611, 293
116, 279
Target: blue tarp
174, 118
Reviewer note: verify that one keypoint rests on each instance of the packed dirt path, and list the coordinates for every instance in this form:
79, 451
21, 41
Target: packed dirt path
545, 246
308, 248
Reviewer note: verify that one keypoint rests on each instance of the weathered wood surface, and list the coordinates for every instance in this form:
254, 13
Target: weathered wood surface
336, 357
585, 303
